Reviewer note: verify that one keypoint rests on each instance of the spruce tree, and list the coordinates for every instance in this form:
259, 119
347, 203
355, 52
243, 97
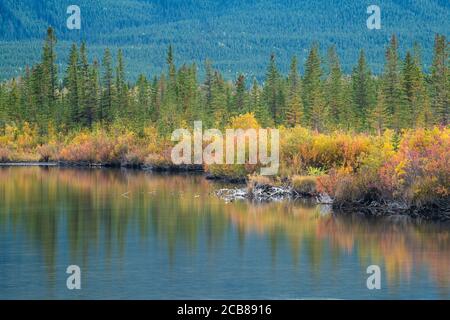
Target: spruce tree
106, 111
143, 100
257, 106
50, 68
294, 113
239, 104
414, 90
362, 92
334, 92
93, 95
440, 81
379, 115
121, 86
84, 86
72, 85
393, 92
271, 88
312, 90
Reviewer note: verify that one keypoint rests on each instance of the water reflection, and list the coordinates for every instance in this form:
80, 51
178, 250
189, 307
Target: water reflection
106, 219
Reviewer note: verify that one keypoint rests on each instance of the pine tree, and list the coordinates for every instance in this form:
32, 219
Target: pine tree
171, 68
440, 81
392, 88
334, 92
93, 101
121, 86
414, 89
312, 90
379, 116
239, 103
84, 86
218, 101
106, 109
362, 92
3, 111
348, 118
72, 84
143, 100
50, 67
27, 105
187, 91
13, 102
271, 88
260, 110
294, 113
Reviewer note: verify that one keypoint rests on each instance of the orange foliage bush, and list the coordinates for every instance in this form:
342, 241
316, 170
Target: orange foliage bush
419, 172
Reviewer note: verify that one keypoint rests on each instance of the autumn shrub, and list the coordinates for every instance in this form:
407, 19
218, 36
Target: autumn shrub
235, 170
419, 172
328, 183
48, 151
98, 146
302, 149
27, 137
5, 154
304, 184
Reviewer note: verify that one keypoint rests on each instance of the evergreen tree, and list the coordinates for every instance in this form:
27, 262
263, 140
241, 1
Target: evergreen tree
92, 107
13, 102
72, 85
379, 116
334, 92
121, 86
313, 94
414, 90
218, 101
84, 86
240, 104
143, 100
260, 110
209, 74
50, 68
27, 105
106, 109
392, 88
3, 111
362, 92
188, 92
271, 88
294, 114
440, 81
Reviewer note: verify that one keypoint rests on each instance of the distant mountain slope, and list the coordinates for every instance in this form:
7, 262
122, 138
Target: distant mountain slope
236, 35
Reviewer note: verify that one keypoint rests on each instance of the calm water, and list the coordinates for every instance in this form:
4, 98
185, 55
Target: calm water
141, 236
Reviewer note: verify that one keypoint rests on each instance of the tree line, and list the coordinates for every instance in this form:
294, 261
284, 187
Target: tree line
323, 98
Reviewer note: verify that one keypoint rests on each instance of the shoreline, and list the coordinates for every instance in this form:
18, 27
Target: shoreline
268, 192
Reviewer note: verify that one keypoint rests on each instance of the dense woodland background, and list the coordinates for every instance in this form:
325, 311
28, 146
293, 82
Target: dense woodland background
90, 92
237, 36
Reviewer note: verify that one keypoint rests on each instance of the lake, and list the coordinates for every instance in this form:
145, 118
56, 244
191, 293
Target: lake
138, 235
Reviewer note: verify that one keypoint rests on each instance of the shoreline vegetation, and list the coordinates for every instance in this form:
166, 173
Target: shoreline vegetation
354, 173
377, 144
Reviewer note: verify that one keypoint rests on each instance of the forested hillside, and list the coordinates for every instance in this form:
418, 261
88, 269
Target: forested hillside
238, 36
